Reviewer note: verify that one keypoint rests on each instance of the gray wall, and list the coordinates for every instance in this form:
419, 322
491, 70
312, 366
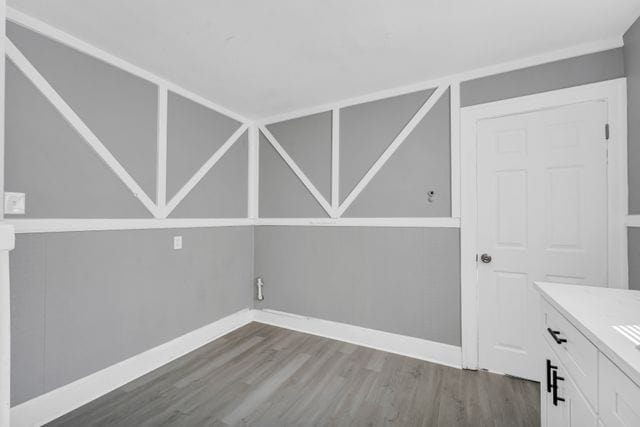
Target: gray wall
421, 164
282, 194
399, 280
562, 74
83, 301
393, 279
308, 141
632, 69
118, 107
634, 258
366, 130
194, 133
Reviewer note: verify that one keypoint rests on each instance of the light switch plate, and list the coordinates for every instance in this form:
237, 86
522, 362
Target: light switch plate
177, 242
14, 203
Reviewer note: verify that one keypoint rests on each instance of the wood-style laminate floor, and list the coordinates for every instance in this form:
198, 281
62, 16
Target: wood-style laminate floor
261, 375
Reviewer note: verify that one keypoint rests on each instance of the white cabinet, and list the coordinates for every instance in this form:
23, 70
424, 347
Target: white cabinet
581, 386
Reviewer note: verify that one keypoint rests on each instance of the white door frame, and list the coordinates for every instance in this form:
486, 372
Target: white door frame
614, 92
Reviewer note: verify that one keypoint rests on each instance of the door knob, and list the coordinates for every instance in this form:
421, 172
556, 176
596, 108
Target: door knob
486, 258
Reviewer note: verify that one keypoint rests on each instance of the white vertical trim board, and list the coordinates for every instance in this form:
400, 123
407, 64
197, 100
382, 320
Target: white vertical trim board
455, 148
613, 92
7, 243
335, 160
67, 39
76, 122
417, 348
618, 188
254, 172
58, 402
395, 144
296, 169
195, 179
161, 169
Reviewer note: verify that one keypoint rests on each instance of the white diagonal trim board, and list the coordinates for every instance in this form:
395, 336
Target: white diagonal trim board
395, 144
296, 169
195, 179
161, 179
67, 39
76, 122
335, 160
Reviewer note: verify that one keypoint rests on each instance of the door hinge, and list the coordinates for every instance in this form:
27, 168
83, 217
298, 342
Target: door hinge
606, 131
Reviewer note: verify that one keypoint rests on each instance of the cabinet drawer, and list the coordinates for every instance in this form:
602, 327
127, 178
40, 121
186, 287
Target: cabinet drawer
562, 404
578, 355
619, 397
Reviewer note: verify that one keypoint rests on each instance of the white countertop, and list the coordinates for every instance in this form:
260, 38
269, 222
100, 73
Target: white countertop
595, 311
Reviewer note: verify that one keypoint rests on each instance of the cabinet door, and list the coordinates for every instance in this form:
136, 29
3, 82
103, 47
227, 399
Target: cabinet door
563, 405
619, 396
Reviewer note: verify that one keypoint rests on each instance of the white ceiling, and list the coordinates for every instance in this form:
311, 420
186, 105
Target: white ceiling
265, 57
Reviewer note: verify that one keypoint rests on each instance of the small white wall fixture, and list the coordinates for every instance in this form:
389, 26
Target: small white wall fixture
613, 93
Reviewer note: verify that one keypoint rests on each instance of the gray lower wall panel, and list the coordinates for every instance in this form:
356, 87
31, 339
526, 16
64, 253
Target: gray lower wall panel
399, 280
83, 301
569, 72
634, 257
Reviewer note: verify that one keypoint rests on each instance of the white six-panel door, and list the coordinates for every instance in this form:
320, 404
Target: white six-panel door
542, 216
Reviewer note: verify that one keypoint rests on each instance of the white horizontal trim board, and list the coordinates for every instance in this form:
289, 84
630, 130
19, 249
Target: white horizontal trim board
66, 225
632, 221
59, 225
67, 39
204, 169
444, 354
395, 144
76, 122
296, 169
556, 55
434, 222
58, 402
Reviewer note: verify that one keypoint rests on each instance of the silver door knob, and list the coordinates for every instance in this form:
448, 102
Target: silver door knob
486, 258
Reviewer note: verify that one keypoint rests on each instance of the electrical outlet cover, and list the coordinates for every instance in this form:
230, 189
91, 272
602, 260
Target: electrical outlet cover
177, 242
14, 203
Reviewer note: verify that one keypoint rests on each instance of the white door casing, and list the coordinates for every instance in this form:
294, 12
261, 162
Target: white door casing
562, 174
542, 216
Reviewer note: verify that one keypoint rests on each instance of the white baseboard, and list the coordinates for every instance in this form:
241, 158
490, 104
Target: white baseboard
444, 354
58, 402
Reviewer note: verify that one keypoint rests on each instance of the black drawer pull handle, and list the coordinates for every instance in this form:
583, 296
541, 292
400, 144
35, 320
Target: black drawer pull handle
555, 334
556, 398
550, 367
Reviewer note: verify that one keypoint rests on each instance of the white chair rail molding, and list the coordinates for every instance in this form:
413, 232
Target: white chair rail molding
320, 213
